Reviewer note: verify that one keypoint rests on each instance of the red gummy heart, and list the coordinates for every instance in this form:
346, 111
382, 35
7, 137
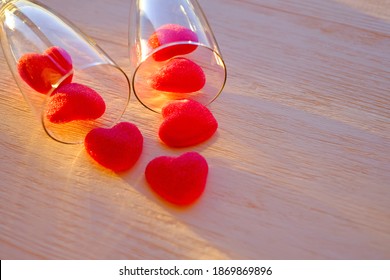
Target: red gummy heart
41, 71
186, 123
180, 180
74, 102
179, 75
117, 148
170, 33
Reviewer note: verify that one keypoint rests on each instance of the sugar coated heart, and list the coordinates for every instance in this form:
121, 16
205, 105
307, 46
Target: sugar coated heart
42, 71
179, 75
117, 148
179, 180
186, 123
170, 33
74, 101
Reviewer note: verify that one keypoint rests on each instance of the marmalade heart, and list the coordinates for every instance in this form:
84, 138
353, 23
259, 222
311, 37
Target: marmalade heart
178, 180
42, 71
171, 33
178, 75
186, 123
74, 102
117, 148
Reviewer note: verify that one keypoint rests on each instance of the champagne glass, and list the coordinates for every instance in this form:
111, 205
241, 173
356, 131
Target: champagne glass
174, 54
46, 53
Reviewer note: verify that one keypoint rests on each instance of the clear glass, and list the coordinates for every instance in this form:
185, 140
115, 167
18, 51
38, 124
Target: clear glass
31, 36
164, 36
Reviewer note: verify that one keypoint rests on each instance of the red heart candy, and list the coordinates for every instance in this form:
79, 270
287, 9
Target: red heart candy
42, 71
74, 102
179, 75
186, 123
117, 148
179, 180
170, 33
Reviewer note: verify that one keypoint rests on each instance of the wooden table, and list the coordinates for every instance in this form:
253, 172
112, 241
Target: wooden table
299, 168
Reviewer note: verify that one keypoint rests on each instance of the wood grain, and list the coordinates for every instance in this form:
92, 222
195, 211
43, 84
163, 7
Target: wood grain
299, 168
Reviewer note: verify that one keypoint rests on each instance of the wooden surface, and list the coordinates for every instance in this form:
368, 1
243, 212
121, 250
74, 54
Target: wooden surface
299, 169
